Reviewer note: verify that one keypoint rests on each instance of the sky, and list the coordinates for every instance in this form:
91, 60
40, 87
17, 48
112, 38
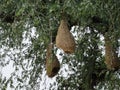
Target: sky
46, 81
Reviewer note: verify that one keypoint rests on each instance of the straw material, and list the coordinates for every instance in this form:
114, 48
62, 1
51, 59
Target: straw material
111, 59
52, 63
64, 38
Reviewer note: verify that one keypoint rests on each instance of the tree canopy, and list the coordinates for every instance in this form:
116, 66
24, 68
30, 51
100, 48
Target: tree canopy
25, 32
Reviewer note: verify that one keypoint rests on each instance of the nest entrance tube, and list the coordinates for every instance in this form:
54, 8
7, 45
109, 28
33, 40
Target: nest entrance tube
111, 58
64, 38
52, 63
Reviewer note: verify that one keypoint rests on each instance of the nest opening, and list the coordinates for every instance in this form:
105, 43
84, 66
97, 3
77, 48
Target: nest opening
67, 51
55, 69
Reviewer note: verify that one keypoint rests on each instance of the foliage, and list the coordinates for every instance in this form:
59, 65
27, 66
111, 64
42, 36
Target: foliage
25, 32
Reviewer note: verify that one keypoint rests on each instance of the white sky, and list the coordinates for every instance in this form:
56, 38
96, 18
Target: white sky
45, 83
8, 69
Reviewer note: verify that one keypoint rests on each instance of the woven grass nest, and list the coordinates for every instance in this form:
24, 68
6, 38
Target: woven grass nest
64, 38
52, 63
111, 59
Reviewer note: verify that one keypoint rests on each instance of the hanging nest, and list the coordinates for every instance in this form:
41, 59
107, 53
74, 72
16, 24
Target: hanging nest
52, 63
111, 58
64, 38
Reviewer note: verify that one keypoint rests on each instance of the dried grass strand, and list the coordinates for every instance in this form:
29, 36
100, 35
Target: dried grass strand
52, 63
111, 59
64, 38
